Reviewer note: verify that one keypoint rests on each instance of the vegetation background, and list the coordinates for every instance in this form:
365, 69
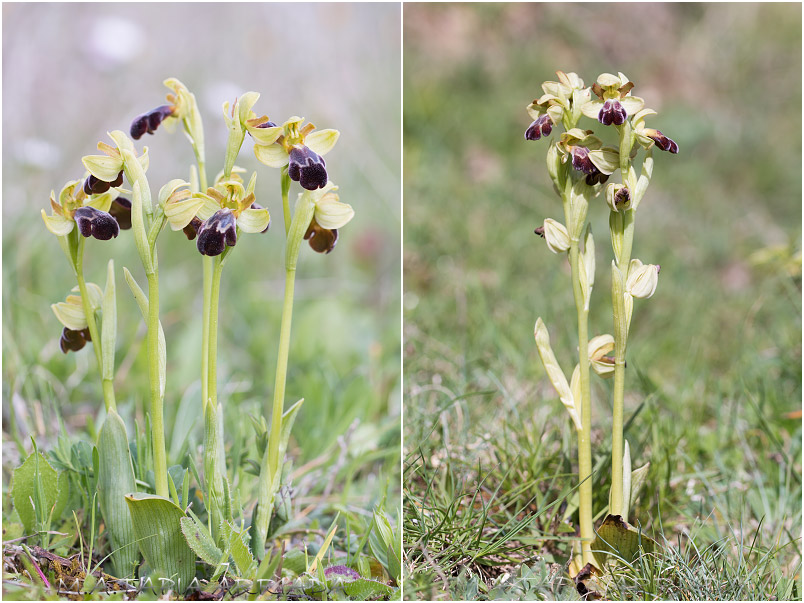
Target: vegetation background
714, 358
73, 71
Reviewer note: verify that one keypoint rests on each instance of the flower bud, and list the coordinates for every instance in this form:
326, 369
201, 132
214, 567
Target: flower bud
542, 126
555, 234
120, 210
307, 168
322, 240
92, 222
642, 279
554, 164
618, 197
599, 347
217, 232
149, 122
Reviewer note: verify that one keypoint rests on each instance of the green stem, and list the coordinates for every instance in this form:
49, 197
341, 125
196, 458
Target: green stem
213, 440
208, 265
620, 344
281, 368
94, 333
157, 418
584, 435
270, 471
212, 361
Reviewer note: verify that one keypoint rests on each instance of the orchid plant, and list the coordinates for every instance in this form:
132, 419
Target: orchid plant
579, 165
155, 520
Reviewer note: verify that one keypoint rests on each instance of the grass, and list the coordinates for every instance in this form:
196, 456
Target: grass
714, 357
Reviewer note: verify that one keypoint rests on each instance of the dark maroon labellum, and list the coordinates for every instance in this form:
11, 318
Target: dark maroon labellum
95, 186
596, 178
217, 232
149, 122
92, 222
121, 211
581, 161
542, 126
664, 143
612, 112
191, 230
307, 168
321, 239
540, 231
72, 341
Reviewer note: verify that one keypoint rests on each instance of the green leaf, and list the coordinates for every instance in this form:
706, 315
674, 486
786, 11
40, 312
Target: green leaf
385, 545
115, 481
200, 541
157, 526
25, 489
617, 538
238, 548
363, 589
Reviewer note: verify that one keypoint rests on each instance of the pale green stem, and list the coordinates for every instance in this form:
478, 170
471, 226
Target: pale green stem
157, 418
584, 435
212, 362
207, 286
281, 368
585, 512
620, 343
94, 333
212, 439
270, 471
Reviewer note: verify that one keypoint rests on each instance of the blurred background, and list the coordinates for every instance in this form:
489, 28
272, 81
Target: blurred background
714, 360
72, 72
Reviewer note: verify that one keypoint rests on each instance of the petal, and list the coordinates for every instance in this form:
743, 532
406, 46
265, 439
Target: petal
103, 202
606, 160
321, 141
632, 104
607, 80
244, 105
265, 136
103, 167
331, 213
168, 189
600, 346
208, 208
273, 155
144, 159
58, 225
253, 220
592, 108
535, 110
181, 213
70, 315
